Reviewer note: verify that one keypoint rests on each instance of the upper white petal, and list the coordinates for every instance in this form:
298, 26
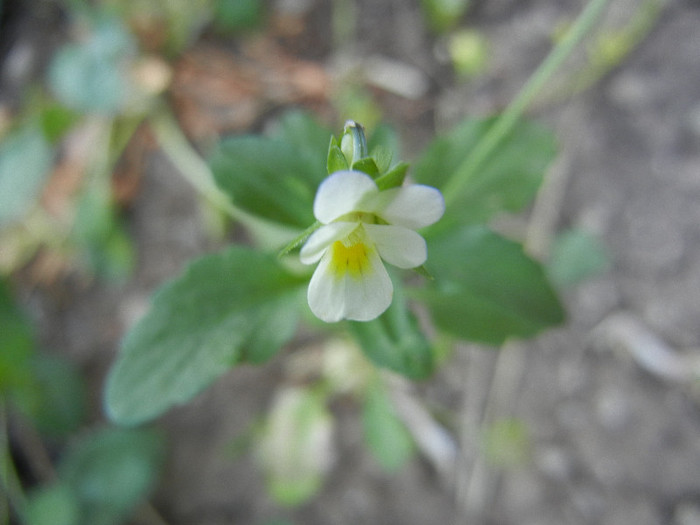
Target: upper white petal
321, 239
341, 193
414, 206
399, 246
332, 297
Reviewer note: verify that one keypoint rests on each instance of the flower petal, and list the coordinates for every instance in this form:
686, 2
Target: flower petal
414, 206
333, 296
342, 193
398, 246
322, 238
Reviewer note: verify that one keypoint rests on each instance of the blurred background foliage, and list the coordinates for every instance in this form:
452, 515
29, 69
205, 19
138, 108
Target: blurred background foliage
73, 136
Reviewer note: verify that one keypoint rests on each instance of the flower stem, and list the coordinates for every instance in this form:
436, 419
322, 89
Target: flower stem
507, 120
9, 479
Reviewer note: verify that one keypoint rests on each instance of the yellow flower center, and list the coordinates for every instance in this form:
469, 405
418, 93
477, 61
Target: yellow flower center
353, 259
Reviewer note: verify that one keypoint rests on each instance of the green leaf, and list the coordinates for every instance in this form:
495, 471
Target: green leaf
308, 137
443, 15
486, 289
225, 307
17, 345
110, 472
90, 75
387, 437
395, 341
61, 395
52, 505
576, 256
507, 181
234, 15
268, 178
25, 160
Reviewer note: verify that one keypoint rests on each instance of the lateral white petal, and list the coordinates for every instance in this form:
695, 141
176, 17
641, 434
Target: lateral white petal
322, 238
341, 193
414, 206
332, 297
399, 246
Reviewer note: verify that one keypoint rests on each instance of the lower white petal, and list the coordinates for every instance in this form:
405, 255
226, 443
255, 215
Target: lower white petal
398, 246
359, 295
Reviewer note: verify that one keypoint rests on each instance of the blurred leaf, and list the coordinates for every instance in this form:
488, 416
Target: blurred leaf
308, 137
61, 395
225, 307
506, 443
507, 181
576, 256
387, 437
16, 345
111, 472
53, 505
275, 178
443, 15
108, 248
395, 341
235, 15
486, 289
56, 119
295, 449
25, 160
91, 75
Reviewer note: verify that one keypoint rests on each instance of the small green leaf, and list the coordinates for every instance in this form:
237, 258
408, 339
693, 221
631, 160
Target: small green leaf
393, 178
387, 437
90, 75
506, 182
225, 307
25, 160
395, 341
110, 472
486, 289
576, 256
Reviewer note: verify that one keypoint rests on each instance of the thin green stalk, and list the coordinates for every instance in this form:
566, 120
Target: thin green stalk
500, 129
9, 479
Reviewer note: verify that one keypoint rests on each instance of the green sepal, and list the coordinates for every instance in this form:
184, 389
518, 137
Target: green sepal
336, 160
393, 178
299, 240
366, 165
382, 156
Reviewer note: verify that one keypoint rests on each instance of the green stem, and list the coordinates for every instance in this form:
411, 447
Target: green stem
505, 123
192, 167
9, 479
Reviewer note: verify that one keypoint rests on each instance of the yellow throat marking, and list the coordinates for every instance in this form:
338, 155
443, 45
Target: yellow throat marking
352, 260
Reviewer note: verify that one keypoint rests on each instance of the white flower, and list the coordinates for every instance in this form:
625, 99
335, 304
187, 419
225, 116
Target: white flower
362, 226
